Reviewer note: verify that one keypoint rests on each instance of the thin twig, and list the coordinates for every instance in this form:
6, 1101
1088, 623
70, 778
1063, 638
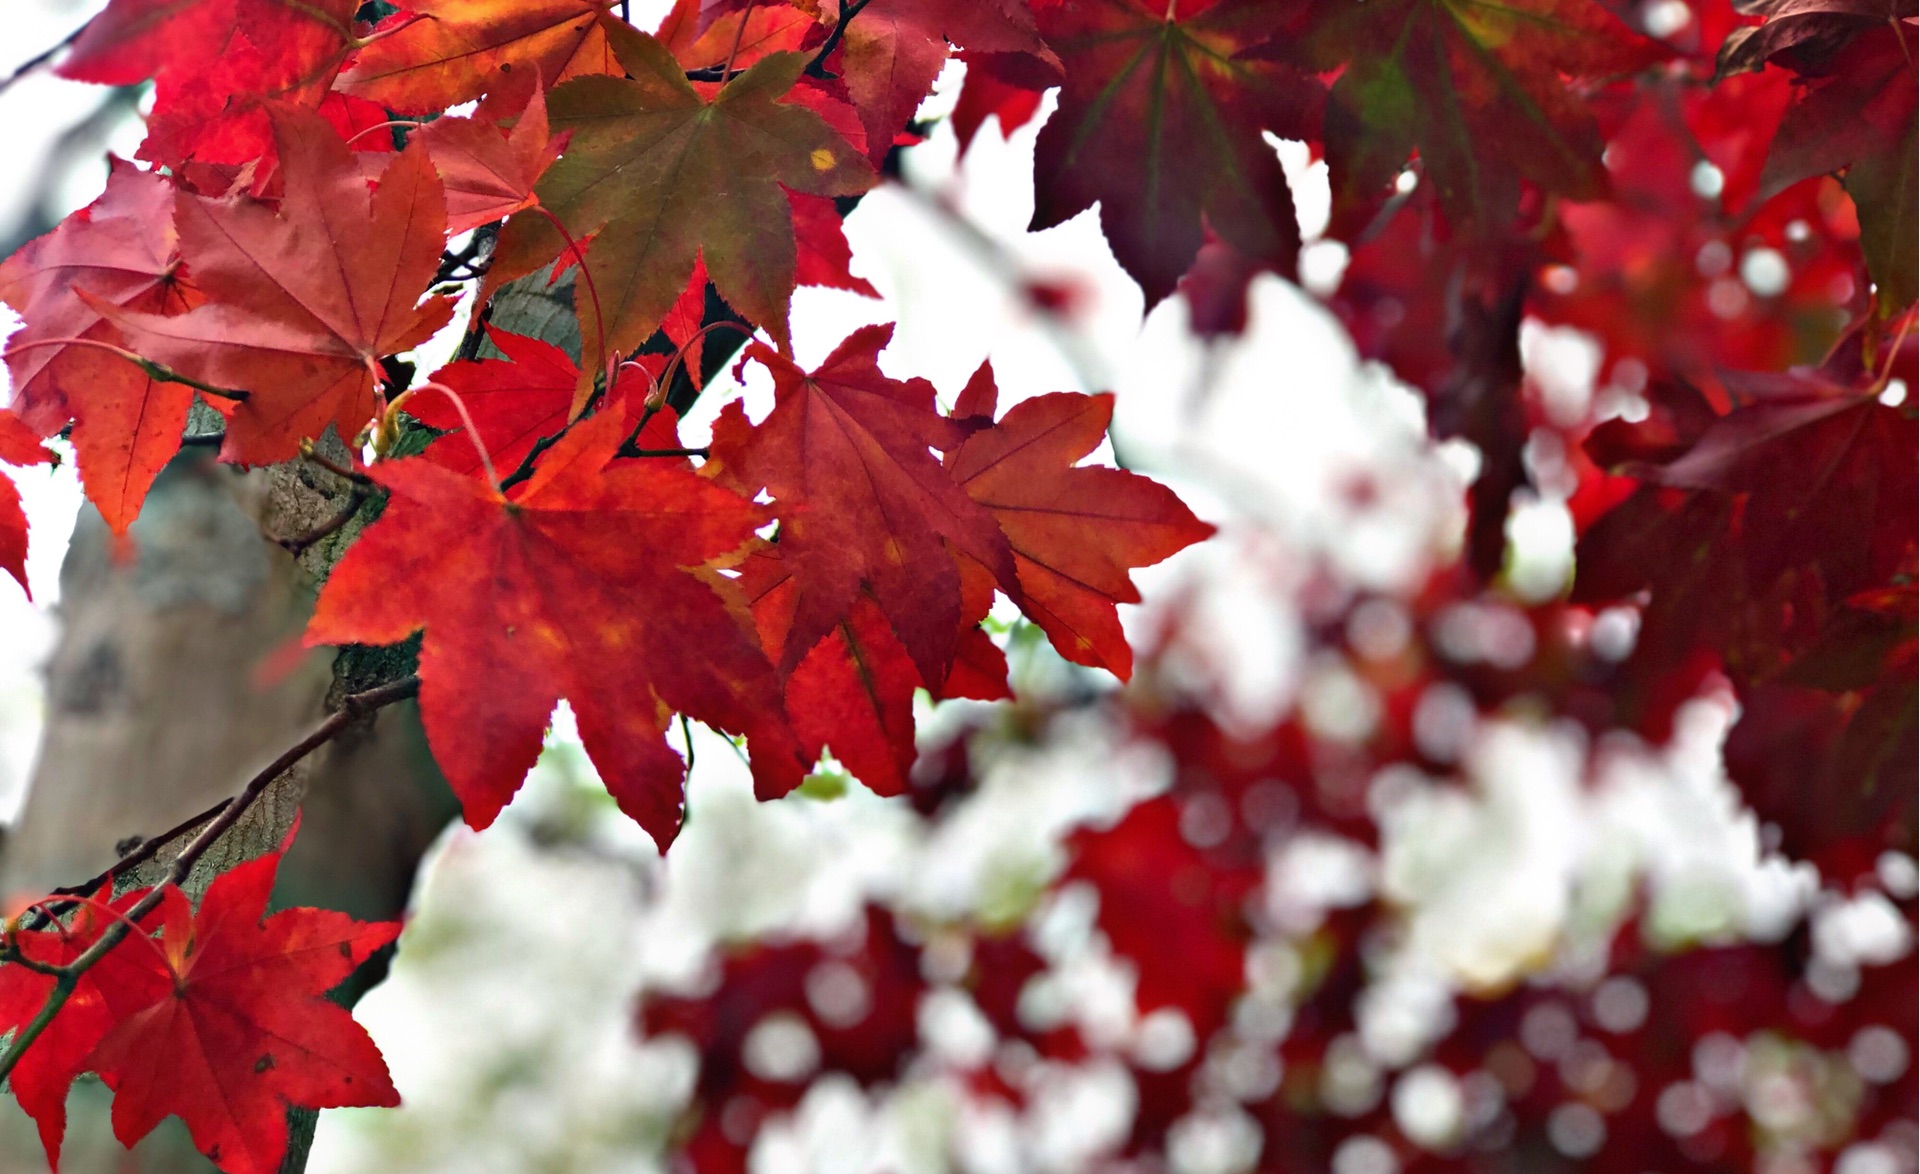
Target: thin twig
332, 466
818, 66
593, 291
39, 59
228, 813
300, 544
538, 450
661, 452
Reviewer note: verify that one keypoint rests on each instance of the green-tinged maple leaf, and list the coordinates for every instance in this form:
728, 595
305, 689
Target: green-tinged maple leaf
1075, 531
224, 1020
662, 175
1161, 122
1861, 112
438, 53
1487, 93
587, 585
864, 508
302, 303
122, 250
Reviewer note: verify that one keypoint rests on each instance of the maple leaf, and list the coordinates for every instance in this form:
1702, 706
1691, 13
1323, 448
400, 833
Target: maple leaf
1800, 34
439, 53
663, 176
704, 39
528, 396
45, 1074
1747, 527
894, 49
1075, 531
18, 446
863, 506
127, 425
514, 402
1860, 111
852, 691
1160, 122
225, 1022
489, 163
1633, 273
589, 597
217, 64
1479, 90
823, 257
302, 304
133, 40
985, 91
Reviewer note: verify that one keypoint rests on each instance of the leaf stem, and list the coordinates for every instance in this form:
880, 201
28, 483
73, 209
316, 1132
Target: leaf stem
739, 35
313, 454
39, 59
412, 18
586, 274
466, 420
389, 124
154, 370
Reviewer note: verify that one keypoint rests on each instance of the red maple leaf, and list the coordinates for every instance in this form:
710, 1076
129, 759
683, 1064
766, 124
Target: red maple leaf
439, 53
594, 591
863, 506
1172, 909
126, 424
489, 163
46, 1072
18, 446
892, 53
217, 64
1859, 110
1075, 530
223, 1020
1479, 91
303, 303
518, 401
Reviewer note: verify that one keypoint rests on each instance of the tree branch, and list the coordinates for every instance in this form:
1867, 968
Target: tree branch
39, 59
223, 816
299, 544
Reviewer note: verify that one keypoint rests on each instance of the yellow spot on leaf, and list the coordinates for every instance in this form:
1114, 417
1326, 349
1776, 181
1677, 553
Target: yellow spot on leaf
821, 158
